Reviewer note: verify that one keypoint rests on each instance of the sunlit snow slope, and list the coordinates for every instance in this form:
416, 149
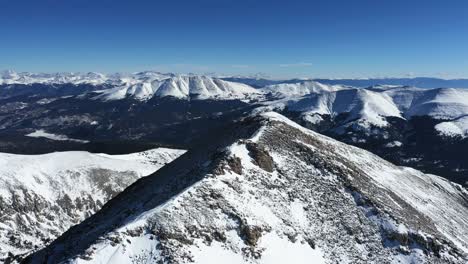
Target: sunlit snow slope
41, 196
183, 87
370, 105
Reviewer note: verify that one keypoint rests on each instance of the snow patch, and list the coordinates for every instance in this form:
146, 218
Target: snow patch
43, 134
394, 144
282, 250
458, 127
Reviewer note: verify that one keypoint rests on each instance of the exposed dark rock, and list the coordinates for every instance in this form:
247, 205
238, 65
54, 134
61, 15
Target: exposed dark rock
235, 165
251, 234
260, 156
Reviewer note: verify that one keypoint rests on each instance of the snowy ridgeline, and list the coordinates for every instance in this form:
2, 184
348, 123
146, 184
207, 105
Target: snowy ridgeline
304, 199
369, 106
41, 196
201, 87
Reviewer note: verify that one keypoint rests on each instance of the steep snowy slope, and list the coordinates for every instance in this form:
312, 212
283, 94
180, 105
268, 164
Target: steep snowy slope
442, 103
304, 199
300, 88
41, 196
200, 87
314, 100
455, 128
360, 105
372, 105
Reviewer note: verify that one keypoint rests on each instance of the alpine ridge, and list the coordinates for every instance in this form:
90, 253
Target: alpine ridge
41, 196
421, 128
200, 87
238, 198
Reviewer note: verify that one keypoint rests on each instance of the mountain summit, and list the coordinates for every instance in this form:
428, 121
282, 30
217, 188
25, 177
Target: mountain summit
200, 87
266, 190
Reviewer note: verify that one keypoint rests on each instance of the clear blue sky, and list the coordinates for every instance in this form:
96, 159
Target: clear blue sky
352, 38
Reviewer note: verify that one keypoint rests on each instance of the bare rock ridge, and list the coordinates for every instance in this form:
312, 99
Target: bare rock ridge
266, 190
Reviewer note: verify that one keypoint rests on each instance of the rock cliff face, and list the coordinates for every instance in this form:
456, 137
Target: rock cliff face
266, 190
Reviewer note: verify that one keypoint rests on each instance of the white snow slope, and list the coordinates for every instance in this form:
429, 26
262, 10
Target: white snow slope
41, 196
366, 106
369, 106
442, 103
360, 104
200, 87
457, 127
304, 199
300, 89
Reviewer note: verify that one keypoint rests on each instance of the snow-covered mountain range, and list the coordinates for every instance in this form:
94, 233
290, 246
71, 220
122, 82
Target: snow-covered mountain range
418, 127
200, 87
77, 78
238, 198
41, 196
257, 81
371, 105
235, 195
368, 104
12, 77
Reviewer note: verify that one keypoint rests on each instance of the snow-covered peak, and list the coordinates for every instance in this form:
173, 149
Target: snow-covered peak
366, 106
370, 105
300, 88
443, 103
41, 196
455, 128
241, 199
180, 86
151, 75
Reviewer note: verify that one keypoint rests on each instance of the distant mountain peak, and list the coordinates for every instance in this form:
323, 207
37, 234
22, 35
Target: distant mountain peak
180, 86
